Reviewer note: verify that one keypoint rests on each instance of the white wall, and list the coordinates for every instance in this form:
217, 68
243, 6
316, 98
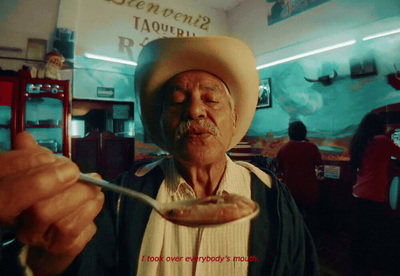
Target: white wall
23, 19
101, 25
249, 22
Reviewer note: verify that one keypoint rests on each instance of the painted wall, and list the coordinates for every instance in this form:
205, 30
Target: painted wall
23, 19
332, 112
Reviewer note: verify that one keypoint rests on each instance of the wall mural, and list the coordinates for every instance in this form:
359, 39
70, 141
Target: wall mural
330, 106
282, 9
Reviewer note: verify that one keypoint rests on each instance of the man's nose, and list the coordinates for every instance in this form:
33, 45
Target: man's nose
195, 109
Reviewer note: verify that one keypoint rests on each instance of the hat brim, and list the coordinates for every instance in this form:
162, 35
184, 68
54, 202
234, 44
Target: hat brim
226, 57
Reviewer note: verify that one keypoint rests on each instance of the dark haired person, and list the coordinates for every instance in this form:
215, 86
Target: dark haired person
299, 160
373, 247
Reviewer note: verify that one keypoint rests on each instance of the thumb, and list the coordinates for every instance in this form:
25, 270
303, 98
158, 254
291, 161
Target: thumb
25, 140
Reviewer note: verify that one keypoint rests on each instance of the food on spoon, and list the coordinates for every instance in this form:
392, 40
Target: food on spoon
213, 210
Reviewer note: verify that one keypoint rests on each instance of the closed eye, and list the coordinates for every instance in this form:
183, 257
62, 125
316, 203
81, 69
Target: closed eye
211, 101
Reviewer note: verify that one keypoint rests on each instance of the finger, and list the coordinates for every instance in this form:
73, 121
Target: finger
96, 175
43, 262
63, 233
59, 236
25, 140
22, 160
46, 212
20, 191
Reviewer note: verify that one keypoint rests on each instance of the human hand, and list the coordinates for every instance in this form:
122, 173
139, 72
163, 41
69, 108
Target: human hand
52, 212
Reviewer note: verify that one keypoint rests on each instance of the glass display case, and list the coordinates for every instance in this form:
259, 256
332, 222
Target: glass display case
44, 112
9, 88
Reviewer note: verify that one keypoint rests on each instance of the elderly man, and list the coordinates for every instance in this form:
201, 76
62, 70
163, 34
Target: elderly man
197, 98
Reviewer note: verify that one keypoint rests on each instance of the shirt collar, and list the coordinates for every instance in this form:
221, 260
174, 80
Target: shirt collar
175, 183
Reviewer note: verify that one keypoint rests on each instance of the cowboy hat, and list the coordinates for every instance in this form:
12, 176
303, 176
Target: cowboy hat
226, 57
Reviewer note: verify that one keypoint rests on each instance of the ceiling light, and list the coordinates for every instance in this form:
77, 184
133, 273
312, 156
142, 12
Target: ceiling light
378, 35
306, 54
92, 56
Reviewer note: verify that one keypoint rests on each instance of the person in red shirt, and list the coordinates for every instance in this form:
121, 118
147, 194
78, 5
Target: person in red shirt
298, 160
370, 154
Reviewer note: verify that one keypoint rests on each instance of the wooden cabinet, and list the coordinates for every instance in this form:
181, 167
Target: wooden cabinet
103, 153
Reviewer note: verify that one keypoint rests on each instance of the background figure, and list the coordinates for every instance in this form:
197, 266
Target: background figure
373, 246
298, 161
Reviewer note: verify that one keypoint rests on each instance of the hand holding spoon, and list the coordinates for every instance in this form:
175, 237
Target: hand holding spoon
202, 212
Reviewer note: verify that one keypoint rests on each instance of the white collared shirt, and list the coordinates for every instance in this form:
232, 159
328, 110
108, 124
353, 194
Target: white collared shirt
169, 249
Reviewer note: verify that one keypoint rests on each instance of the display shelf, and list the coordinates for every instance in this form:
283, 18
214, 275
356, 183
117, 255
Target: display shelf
42, 99
43, 126
58, 95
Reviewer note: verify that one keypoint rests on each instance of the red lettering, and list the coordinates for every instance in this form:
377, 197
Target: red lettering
143, 42
153, 7
187, 19
197, 21
145, 26
140, 5
126, 44
136, 22
116, 2
177, 16
207, 21
179, 32
167, 12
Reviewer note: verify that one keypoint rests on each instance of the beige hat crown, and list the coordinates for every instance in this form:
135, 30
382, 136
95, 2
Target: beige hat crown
228, 58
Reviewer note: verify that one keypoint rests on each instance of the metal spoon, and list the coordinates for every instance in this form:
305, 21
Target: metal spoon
203, 212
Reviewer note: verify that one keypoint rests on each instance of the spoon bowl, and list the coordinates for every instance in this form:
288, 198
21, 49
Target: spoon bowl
202, 212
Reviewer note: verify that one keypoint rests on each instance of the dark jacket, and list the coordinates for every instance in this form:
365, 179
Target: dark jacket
279, 238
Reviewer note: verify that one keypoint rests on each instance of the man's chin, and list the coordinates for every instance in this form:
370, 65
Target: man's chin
202, 153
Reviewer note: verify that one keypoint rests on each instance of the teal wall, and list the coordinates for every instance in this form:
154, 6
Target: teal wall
328, 108
330, 112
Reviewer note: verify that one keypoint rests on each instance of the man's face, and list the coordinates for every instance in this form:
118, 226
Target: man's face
197, 120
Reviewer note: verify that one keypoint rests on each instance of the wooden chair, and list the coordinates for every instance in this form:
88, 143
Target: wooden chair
86, 152
118, 154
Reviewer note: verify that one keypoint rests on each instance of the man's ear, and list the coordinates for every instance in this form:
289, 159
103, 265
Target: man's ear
235, 118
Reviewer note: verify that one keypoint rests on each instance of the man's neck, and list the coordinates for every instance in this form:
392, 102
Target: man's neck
203, 179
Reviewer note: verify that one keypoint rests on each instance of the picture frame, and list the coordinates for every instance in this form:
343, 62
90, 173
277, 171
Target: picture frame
264, 98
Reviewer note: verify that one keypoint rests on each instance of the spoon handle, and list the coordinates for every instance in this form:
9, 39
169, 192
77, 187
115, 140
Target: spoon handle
118, 189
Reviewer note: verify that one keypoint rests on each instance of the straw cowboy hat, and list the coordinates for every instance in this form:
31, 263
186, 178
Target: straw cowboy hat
228, 58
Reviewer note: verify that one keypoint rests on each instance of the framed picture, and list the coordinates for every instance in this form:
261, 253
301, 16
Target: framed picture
281, 10
264, 98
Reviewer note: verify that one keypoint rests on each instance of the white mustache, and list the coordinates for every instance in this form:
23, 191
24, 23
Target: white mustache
185, 126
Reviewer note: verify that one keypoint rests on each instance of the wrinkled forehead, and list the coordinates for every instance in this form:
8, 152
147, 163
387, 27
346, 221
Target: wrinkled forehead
196, 78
